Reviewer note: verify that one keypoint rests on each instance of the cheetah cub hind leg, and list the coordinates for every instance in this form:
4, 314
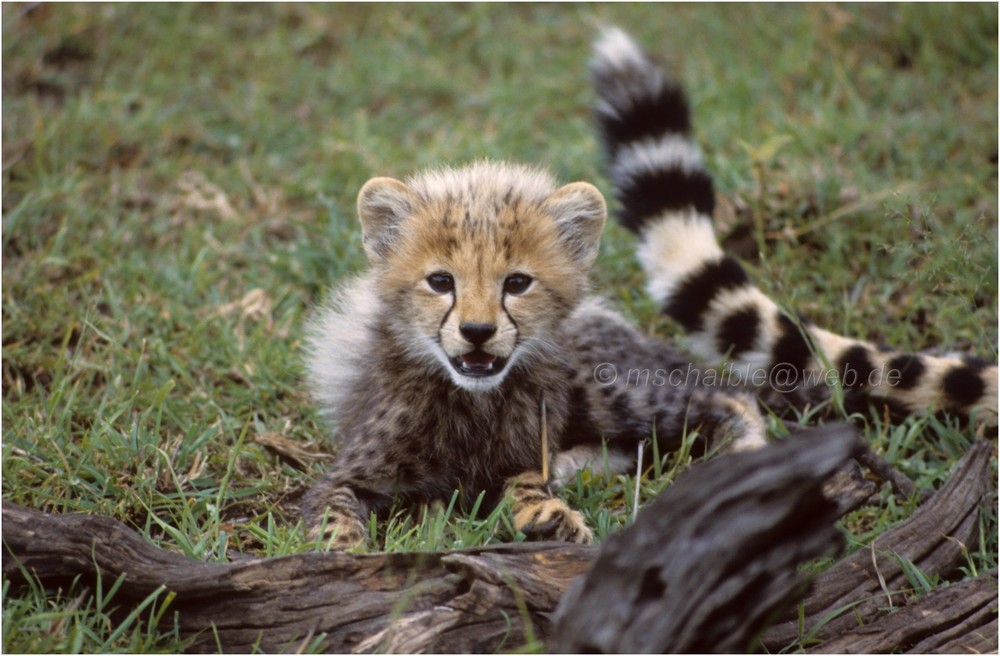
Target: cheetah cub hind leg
541, 516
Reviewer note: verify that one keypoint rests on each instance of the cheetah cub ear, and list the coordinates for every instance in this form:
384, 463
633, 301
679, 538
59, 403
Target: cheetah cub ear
382, 205
579, 211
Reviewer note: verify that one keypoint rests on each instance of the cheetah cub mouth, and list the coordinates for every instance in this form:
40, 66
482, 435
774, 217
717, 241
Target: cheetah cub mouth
478, 364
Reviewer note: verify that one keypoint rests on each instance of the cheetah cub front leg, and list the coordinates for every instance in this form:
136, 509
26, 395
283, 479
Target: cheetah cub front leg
541, 516
339, 526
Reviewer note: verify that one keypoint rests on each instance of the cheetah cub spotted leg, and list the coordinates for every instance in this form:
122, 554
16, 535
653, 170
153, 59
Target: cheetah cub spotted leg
541, 516
340, 525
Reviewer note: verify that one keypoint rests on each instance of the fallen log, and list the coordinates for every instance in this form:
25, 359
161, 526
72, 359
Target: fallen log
465, 601
503, 597
859, 587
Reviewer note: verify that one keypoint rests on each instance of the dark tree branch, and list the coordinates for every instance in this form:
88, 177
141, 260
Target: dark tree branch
714, 558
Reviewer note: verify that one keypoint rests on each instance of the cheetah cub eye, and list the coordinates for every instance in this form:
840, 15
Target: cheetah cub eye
441, 282
517, 284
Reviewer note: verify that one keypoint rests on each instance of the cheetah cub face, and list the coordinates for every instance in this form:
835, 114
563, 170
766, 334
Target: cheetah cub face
479, 266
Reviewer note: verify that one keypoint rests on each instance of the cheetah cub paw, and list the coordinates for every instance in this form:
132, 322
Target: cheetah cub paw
540, 516
341, 532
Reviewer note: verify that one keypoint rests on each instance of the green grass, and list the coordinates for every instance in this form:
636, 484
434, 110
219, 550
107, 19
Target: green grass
178, 190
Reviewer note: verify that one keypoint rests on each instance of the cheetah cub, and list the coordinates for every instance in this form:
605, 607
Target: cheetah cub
433, 364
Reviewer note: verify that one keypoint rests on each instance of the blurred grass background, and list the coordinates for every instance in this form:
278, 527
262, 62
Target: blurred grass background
178, 190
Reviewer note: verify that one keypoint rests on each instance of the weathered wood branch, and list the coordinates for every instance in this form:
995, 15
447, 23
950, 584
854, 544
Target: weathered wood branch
463, 601
933, 539
902, 485
958, 618
848, 489
716, 557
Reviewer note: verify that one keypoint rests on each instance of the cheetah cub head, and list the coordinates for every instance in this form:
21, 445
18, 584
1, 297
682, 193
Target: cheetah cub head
477, 266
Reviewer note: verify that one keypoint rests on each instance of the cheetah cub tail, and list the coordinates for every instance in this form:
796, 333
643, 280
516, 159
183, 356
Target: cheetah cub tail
666, 197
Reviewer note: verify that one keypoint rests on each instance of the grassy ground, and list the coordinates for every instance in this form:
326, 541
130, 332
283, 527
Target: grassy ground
178, 189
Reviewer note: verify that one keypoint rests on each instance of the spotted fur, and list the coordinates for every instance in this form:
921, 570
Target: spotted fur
432, 364
667, 199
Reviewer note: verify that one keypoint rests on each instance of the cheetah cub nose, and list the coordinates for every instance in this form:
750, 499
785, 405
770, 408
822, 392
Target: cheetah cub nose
477, 333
